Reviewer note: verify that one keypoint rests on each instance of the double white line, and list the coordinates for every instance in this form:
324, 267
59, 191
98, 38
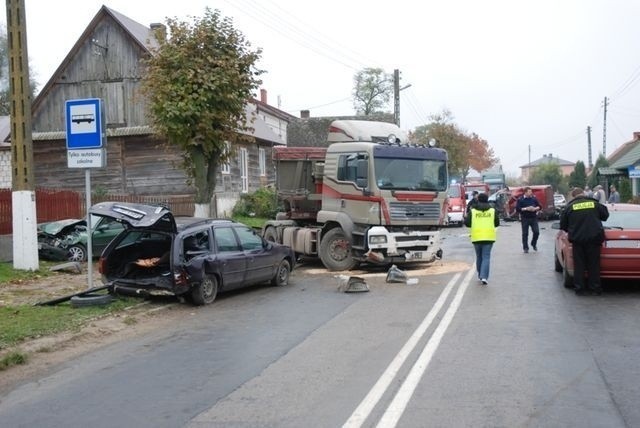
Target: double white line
396, 408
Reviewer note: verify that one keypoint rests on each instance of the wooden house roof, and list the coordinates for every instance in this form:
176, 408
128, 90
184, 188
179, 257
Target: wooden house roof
140, 35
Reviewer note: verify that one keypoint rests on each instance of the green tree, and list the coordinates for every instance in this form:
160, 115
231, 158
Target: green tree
5, 108
593, 176
372, 90
624, 187
578, 177
198, 83
549, 173
465, 151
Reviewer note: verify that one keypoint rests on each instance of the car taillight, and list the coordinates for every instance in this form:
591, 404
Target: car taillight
180, 278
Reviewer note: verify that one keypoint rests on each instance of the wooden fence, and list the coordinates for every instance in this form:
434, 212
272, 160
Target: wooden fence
54, 205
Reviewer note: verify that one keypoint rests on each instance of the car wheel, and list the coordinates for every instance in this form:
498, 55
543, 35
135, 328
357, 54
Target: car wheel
77, 253
270, 234
282, 274
567, 280
335, 251
558, 266
89, 299
205, 291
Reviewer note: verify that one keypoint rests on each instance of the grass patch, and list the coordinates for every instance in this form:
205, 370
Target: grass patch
12, 359
21, 322
9, 274
129, 320
256, 222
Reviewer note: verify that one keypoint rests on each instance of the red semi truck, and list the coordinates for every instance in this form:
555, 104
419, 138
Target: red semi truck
367, 197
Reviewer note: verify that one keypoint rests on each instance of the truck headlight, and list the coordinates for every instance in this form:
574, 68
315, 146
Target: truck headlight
378, 239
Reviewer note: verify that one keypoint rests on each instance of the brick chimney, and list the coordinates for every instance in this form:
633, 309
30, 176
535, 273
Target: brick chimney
263, 96
159, 30
305, 114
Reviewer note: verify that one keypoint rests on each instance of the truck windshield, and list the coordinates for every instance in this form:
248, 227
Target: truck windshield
411, 174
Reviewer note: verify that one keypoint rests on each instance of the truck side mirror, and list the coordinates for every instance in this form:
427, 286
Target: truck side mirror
362, 173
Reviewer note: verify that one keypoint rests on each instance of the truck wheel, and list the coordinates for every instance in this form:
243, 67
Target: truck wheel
270, 234
77, 253
335, 251
205, 291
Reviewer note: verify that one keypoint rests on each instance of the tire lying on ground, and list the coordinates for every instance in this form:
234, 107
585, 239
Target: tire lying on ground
91, 299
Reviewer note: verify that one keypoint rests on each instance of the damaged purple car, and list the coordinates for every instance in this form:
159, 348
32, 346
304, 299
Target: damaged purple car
194, 258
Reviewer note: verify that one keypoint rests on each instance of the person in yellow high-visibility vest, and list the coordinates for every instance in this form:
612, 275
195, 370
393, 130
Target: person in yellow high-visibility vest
483, 222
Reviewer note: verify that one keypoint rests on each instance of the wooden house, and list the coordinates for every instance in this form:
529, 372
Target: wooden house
107, 62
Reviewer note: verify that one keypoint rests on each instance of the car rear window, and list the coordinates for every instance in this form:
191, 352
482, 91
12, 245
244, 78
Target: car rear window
623, 219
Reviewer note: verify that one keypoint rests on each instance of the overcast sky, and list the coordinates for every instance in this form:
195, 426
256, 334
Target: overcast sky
528, 77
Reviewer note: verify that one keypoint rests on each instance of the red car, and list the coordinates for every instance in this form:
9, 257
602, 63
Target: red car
620, 253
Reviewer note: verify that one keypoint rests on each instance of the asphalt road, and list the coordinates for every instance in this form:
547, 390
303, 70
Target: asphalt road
522, 351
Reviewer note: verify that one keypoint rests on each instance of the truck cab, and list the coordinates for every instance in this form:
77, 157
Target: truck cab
371, 197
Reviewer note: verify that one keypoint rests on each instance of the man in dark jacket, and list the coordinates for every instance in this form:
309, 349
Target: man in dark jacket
528, 206
483, 221
582, 219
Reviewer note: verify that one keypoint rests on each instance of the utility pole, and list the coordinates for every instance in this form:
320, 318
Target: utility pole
396, 96
589, 146
23, 199
604, 129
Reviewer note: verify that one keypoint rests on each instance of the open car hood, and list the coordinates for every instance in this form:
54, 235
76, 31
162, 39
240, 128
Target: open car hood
137, 215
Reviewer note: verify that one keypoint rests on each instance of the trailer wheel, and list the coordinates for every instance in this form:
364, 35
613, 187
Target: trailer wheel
335, 251
270, 234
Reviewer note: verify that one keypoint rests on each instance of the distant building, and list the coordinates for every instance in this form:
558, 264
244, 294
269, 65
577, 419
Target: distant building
566, 167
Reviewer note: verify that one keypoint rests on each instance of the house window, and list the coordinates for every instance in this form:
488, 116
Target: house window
244, 170
226, 167
262, 159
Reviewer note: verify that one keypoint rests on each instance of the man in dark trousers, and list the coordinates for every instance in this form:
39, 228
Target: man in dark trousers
582, 219
483, 221
528, 206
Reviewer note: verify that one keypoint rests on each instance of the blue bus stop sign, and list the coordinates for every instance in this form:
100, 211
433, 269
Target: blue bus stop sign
84, 123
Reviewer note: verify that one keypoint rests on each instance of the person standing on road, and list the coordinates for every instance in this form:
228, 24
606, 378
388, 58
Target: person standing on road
483, 222
614, 196
528, 206
582, 220
472, 203
598, 194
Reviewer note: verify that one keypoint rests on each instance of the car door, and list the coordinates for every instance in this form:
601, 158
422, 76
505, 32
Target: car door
260, 259
232, 262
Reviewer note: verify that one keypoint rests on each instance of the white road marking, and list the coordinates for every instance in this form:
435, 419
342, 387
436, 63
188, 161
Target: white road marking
398, 405
363, 410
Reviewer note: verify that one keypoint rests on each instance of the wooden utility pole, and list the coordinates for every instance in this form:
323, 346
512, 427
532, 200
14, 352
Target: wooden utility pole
604, 129
25, 241
589, 146
396, 96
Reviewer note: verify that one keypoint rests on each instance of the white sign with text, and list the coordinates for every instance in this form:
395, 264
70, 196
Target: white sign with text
86, 158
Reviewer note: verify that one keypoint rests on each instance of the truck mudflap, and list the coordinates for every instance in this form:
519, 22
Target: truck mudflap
399, 247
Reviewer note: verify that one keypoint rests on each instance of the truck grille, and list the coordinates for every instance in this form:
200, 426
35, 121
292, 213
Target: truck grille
411, 211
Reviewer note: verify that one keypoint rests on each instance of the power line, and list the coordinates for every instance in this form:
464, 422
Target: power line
289, 31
